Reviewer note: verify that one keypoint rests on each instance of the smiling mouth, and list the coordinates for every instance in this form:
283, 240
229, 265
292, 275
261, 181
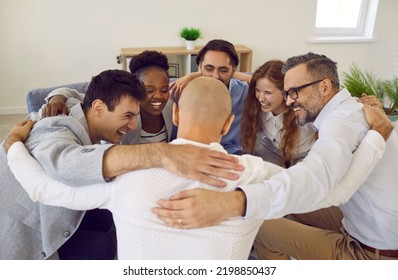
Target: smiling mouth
121, 132
157, 105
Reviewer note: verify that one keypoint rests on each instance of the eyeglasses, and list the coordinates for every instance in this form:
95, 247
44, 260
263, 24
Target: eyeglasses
293, 92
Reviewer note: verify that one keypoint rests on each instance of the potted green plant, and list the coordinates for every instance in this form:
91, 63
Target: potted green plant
358, 81
190, 35
390, 89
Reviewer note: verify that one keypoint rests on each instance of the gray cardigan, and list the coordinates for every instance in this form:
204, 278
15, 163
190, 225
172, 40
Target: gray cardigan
31, 230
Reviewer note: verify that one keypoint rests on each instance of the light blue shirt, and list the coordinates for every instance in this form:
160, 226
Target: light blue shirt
238, 90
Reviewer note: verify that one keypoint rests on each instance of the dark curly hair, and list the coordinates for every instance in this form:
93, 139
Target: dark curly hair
146, 59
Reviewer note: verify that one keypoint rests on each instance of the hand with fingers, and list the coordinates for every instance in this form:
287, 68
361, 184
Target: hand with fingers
199, 208
378, 120
370, 100
202, 164
178, 85
56, 106
19, 132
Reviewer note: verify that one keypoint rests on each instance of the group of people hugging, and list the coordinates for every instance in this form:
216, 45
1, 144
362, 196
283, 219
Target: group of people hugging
280, 163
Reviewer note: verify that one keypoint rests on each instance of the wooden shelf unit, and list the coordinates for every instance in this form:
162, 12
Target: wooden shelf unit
245, 56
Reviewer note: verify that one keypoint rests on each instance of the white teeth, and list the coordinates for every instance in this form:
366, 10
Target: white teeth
296, 109
156, 103
121, 131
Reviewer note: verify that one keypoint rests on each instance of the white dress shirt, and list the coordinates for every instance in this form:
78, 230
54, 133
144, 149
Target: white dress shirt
272, 126
371, 213
130, 197
269, 139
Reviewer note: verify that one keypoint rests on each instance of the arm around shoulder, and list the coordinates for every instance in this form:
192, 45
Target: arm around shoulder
60, 100
202, 164
365, 159
178, 85
65, 93
24, 168
378, 120
242, 76
41, 188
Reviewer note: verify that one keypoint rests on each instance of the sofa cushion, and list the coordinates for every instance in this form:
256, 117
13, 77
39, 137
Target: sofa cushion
35, 98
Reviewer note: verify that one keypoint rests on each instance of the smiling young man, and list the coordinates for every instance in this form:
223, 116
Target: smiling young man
66, 147
218, 59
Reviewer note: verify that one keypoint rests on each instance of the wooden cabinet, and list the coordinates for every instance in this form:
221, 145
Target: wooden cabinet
182, 60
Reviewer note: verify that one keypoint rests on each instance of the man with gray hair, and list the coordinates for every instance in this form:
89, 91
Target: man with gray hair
370, 214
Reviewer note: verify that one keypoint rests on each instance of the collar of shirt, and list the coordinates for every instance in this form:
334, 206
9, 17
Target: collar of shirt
213, 146
269, 115
234, 84
333, 103
272, 126
238, 91
77, 113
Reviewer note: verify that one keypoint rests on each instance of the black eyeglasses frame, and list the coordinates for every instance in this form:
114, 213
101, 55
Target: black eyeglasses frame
293, 92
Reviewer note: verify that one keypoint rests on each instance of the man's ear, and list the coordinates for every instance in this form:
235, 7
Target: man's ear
327, 87
227, 125
98, 107
176, 114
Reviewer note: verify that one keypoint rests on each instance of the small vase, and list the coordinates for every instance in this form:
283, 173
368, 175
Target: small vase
190, 45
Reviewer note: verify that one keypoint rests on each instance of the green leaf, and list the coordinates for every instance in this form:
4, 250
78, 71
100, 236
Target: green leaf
357, 82
390, 89
190, 34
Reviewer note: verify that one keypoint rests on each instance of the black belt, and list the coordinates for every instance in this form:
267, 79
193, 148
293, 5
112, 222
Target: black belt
385, 253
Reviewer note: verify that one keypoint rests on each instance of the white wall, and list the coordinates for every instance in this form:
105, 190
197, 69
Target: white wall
52, 42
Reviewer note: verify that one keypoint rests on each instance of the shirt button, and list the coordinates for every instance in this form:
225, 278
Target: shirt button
66, 233
43, 254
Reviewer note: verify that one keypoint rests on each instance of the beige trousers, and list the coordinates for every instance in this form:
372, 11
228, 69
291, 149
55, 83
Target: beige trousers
317, 235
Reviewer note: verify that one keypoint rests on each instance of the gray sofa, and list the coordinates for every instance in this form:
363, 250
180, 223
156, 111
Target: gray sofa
35, 98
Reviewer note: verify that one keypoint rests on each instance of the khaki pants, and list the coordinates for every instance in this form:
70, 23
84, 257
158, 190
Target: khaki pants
318, 235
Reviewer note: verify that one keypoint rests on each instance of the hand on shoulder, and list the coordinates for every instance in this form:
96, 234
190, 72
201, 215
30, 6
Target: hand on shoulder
19, 133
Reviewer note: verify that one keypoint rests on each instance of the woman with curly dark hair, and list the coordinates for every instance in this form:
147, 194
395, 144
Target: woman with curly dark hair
268, 126
154, 124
